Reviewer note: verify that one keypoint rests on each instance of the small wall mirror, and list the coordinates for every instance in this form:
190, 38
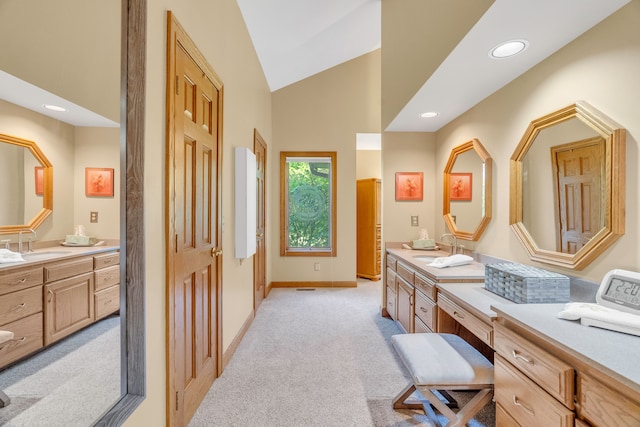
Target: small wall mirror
567, 186
28, 201
467, 190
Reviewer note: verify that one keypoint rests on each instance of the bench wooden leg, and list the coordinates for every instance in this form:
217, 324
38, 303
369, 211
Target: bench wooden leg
4, 399
399, 401
467, 412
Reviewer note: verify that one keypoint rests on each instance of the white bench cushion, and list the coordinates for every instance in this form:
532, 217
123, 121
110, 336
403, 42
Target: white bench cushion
442, 359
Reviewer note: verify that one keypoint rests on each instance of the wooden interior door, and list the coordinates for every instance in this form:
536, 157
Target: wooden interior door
579, 175
260, 258
194, 102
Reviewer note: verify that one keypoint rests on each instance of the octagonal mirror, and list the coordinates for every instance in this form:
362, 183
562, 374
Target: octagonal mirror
567, 186
467, 190
28, 201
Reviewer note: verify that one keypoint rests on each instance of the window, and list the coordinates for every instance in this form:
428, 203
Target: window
308, 203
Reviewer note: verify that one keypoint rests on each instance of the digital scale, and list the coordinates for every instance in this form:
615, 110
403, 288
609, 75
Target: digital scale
620, 292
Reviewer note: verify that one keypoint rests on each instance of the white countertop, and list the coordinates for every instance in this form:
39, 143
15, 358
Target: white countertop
47, 254
614, 353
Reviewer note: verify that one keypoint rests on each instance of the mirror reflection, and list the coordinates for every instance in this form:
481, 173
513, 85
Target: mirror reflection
68, 51
29, 200
467, 190
567, 189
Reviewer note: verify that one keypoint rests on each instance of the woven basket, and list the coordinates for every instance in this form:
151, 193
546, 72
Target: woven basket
526, 285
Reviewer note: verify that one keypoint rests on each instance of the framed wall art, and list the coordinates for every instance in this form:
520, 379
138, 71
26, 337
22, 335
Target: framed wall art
408, 186
460, 186
98, 182
39, 180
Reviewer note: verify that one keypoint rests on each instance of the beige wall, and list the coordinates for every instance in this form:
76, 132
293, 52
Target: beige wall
409, 152
368, 164
323, 113
218, 30
600, 67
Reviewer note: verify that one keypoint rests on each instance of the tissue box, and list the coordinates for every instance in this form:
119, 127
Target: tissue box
524, 284
424, 243
80, 240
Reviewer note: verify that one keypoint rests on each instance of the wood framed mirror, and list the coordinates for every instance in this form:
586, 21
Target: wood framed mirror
567, 186
467, 190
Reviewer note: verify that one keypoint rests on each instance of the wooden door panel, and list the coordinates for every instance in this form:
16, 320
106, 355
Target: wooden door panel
193, 208
260, 258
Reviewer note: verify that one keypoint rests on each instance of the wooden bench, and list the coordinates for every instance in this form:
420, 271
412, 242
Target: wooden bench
443, 362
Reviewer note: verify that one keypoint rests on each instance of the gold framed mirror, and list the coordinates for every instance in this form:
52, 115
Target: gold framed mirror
467, 190
568, 186
30, 197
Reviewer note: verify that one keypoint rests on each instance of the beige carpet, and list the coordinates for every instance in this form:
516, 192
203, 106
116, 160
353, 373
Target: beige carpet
316, 358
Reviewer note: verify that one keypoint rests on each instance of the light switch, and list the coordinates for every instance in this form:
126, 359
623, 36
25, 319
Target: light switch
414, 221
93, 217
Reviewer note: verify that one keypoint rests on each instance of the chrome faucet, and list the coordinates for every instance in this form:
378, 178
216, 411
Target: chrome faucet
33, 234
454, 242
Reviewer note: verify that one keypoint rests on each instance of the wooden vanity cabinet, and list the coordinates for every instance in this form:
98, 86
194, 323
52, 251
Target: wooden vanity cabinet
68, 293
425, 304
389, 295
405, 310
21, 313
106, 284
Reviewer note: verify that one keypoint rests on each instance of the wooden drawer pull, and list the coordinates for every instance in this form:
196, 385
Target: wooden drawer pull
424, 310
106, 278
15, 340
517, 402
107, 261
456, 314
520, 356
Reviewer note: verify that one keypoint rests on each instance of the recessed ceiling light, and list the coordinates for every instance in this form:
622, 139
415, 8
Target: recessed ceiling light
54, 107
507, 49
429, 114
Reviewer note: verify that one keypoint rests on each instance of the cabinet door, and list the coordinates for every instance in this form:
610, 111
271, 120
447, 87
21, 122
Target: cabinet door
405, 309
68, 306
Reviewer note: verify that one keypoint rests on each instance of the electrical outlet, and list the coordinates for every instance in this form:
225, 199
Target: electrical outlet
316, 266
414, 220
93, 217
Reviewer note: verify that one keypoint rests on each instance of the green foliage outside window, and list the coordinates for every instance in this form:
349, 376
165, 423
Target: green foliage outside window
309, 206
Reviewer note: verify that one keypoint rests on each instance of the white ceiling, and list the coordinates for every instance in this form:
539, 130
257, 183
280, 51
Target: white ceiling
295, 39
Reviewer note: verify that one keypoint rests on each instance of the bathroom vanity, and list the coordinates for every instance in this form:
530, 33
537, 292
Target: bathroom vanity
548, 371
56, 292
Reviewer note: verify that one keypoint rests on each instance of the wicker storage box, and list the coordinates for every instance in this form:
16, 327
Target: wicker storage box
526, 285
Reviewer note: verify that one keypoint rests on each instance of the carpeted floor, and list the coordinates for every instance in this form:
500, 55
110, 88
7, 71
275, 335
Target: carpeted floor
70, 384
316, 358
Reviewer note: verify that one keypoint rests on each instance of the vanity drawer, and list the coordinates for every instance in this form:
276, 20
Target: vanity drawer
106, 260
420, 328
20, 304
405, 272
21, 279
603, 406
391, 262
106, 277
64, 269
527, 403
551, 373
391, 303
391, 279
476, 326
426, 286
107, 301
27, 338
426, 310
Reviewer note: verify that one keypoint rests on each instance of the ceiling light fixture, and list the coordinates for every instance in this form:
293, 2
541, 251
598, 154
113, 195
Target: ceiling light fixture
508, 49
54, 107
429, 114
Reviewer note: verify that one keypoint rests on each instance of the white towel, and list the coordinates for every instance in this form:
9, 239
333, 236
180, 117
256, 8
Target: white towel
577, 310
451, 261
7, 256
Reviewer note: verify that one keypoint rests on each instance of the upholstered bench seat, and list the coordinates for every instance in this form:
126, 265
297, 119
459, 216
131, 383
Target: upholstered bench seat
444, 362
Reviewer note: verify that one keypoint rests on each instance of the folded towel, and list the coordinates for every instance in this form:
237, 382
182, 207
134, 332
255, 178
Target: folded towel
587, 311
7, 256
451, 261
5, 336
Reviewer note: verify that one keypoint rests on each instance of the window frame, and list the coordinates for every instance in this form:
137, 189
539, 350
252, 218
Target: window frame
285, 250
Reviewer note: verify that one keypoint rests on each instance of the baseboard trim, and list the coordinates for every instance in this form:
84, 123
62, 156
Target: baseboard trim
228, 353
321, 284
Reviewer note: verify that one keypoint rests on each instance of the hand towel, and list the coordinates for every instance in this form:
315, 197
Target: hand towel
577, 310
7, 256
451, 261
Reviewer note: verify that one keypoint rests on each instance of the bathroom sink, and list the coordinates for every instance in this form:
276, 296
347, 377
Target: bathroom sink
424, 258
36, 256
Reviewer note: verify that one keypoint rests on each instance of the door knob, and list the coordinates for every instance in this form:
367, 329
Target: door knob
216, 252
